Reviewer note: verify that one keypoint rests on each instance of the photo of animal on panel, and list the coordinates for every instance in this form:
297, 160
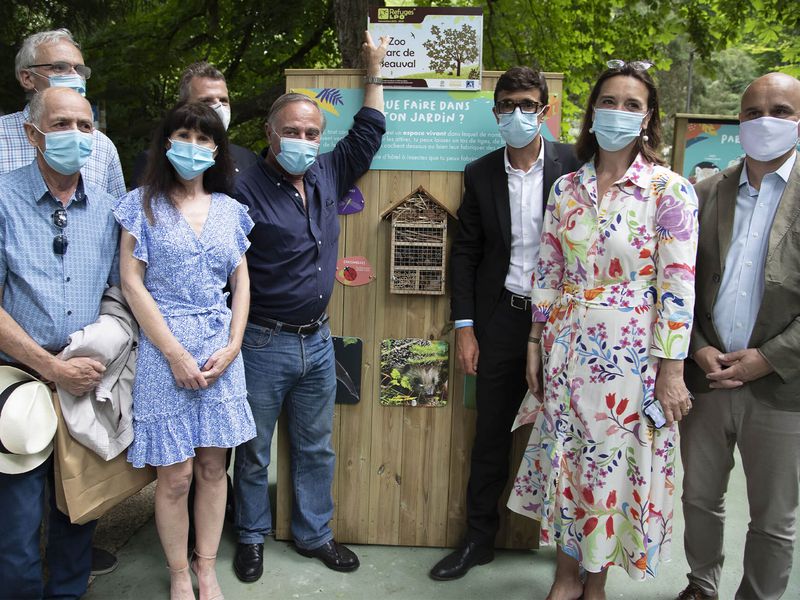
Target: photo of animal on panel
414, 372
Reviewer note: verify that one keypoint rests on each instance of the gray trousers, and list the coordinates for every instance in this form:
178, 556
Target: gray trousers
769, 444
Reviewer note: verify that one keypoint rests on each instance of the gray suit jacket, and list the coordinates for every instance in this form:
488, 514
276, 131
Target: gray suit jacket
776, 333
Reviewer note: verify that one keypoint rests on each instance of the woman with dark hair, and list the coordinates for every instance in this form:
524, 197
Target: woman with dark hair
183, 239
613, 301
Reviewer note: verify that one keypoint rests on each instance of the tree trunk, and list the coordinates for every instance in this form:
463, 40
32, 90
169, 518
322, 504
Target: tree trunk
351, 21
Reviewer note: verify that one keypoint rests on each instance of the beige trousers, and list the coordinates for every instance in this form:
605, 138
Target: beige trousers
769, 444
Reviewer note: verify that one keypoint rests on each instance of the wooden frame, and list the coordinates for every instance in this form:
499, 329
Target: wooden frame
418, 256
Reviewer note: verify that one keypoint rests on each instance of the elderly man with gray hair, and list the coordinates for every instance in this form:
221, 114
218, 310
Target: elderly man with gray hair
58, 243
287, 348
53, 59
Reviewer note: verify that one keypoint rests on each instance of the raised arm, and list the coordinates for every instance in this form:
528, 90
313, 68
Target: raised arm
373, 59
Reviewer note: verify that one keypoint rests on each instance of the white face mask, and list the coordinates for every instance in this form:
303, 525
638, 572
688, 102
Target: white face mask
767, 138
224, 113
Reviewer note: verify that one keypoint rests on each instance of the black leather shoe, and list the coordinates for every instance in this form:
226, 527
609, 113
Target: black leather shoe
336, 556
456, 564
103, 562
248, 564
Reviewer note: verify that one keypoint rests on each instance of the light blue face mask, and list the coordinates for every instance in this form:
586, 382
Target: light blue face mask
74, 81
297, 156
66, 151
615, 129
190, 160
518, 129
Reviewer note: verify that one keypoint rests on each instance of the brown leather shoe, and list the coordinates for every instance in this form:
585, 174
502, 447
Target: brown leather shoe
693, 592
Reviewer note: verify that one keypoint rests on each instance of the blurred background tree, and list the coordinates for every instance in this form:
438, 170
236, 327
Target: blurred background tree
138, 48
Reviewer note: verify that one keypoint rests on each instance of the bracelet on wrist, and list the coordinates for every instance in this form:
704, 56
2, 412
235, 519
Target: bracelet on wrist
373, 80
534, 340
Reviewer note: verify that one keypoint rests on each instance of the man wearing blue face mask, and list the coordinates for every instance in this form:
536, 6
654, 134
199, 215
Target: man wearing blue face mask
53, 59
493, 256
58, 242
287, 348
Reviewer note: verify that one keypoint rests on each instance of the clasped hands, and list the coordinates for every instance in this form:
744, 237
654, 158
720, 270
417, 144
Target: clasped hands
731, 370
188, 375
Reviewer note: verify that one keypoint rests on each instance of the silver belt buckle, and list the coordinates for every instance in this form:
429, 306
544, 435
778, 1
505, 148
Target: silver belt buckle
522, 299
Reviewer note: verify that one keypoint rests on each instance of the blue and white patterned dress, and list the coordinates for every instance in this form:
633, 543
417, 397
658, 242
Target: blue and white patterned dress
185, 274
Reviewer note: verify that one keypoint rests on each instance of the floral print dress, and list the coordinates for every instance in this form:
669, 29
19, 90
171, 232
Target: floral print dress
615, 285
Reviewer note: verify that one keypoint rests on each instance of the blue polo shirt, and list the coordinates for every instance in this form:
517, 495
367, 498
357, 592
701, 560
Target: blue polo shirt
49, 295
292, 259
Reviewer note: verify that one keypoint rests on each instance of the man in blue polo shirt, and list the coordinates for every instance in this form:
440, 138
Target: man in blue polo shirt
287, 348
58, 242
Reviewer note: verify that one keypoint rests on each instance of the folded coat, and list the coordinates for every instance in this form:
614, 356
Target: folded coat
102, 420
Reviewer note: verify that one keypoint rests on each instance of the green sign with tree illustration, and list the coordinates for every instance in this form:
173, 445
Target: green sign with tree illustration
431, 48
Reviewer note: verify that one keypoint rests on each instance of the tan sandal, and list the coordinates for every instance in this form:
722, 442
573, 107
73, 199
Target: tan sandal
193, 564
173, 572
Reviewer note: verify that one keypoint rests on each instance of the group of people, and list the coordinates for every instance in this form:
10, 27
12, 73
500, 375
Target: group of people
591, 293
656, 308
209, 318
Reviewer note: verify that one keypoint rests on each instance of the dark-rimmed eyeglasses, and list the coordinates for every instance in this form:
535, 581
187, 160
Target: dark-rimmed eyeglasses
60, 242
636, 65
505, 107
64, 68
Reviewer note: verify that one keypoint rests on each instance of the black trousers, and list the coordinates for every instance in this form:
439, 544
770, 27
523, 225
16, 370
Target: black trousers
500, 387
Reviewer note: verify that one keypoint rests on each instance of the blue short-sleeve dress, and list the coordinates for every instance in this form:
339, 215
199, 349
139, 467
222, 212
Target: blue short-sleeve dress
186, 274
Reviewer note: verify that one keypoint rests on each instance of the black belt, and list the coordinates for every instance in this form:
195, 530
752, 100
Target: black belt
517, 301
288, 327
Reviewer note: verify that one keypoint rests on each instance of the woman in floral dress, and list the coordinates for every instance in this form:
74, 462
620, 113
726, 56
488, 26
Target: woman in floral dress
613, 301
183, 239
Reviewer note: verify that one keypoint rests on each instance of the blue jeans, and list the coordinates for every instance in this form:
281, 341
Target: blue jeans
297, 373
69, 547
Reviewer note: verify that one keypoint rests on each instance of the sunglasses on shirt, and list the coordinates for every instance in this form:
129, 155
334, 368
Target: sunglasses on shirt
60, 242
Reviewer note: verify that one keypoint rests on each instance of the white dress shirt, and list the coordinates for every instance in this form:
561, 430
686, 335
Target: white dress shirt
526, 201
742, 286
527, 207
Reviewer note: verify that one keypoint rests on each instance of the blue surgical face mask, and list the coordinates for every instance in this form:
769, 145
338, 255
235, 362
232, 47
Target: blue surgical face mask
518, 129
66, 151
615, 129
74, 81
297, 156
190, 160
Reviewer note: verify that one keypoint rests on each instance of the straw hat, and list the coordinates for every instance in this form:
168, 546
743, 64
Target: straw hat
27, 421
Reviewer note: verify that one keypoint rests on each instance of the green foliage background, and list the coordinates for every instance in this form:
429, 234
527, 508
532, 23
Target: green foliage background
138, 48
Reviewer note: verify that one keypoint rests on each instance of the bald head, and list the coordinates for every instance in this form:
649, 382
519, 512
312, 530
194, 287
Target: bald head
772, 95
55, 99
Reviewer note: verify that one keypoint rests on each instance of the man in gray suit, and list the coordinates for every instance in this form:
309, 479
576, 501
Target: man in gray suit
745, 368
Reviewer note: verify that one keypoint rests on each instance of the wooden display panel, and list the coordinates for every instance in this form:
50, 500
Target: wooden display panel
401, 472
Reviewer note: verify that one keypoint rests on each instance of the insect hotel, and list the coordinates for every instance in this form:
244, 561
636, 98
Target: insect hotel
419, 244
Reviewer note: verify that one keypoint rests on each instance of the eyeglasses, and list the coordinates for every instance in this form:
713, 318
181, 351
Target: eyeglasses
505, 107
64, 68
60, 242
636, 65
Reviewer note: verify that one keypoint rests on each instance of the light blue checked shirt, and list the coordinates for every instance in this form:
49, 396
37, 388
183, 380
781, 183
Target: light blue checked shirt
49, 295
102, 170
